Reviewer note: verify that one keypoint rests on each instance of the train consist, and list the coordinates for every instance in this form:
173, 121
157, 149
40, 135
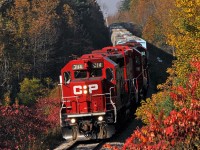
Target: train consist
120, 36
100, 90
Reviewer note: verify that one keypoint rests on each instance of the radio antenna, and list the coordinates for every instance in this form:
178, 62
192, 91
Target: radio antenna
73, 56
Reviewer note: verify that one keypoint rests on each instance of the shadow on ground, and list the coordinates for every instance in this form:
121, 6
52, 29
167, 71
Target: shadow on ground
159, 61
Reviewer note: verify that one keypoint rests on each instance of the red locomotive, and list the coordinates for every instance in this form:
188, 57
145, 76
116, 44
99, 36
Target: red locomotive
101, 89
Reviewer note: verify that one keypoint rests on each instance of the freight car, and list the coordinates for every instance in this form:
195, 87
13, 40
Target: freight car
119, 35
100, 90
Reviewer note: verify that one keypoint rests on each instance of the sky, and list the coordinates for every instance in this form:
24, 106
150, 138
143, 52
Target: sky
109, 6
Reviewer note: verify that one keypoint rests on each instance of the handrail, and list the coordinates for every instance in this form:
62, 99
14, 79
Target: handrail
106, 95
113, 104
144, 73
100, 94
70, 97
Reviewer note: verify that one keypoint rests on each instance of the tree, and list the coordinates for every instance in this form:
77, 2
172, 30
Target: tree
153, 31
179, 129
43, 35
38, 36
158, 24
125, 5
185, 38
171, 116
30, 91
141, 10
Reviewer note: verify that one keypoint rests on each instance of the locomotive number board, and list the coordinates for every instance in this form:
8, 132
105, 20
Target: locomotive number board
77, 67
97, 65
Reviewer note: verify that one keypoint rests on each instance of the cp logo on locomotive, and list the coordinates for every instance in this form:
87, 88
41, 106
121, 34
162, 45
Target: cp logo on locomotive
78, 89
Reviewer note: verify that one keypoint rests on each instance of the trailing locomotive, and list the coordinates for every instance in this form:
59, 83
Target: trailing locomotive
100, 90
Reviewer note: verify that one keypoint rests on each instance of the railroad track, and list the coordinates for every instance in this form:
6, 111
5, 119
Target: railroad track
65, 145
80, 145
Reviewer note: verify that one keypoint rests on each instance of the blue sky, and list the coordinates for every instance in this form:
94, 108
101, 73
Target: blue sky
109, 6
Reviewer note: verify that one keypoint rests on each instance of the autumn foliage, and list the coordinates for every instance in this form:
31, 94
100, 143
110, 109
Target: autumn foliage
22, 127
178, 130
38, 36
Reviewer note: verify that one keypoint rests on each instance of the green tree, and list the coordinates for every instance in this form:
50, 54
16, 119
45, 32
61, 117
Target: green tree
125, 5
30, 91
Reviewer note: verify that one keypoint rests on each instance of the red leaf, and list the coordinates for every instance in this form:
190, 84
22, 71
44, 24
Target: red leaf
169, 130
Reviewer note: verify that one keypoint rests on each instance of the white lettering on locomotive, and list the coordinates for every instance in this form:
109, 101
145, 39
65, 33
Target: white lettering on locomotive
92, 87
78, 89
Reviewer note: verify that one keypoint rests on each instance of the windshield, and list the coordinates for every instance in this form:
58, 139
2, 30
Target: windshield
96, 72
80, 74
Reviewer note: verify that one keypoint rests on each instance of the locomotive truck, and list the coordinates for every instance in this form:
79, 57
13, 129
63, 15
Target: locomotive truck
100, 90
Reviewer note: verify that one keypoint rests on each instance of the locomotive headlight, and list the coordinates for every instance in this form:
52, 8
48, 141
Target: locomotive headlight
100, 118
85, 91
73, 120
85, 87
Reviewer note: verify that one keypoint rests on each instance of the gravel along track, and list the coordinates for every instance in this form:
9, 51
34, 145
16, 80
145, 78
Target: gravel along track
66, 145
82, 145
89, 145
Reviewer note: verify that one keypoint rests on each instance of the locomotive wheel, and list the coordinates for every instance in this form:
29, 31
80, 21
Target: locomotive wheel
74, 132
103, 132
94, 135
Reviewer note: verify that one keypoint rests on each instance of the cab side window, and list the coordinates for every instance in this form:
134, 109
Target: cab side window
67, 77
109, 74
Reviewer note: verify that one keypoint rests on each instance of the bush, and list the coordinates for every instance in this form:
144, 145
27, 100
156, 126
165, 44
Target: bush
30, 90
159, 102
50, 107
179, 130
20, 127
25, 127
